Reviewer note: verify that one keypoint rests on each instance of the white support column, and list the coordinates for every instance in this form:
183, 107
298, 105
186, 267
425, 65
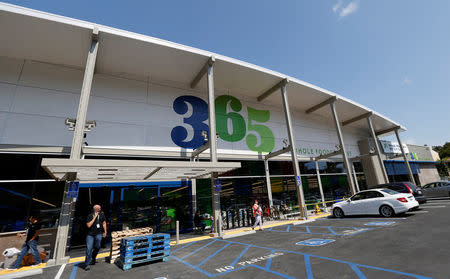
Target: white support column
377, 149
354, 176
212, 112
75, 152
194, 195
269, 186
343, 149
319, 181
287, 114
411, 176
62, 234
59, 255
213, 146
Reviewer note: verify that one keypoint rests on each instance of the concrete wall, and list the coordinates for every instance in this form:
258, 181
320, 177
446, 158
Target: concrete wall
428, 174
35, 99
371, 166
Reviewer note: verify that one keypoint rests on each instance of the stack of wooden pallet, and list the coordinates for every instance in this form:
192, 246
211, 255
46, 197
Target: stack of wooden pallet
143, 249
116, 238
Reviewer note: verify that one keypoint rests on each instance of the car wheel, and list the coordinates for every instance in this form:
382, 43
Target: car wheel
386, 211
338, 213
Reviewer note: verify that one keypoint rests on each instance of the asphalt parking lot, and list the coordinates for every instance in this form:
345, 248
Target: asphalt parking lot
414, 245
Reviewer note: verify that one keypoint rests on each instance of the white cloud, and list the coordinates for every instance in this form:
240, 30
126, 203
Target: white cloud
337, 6
349, 9
406, 81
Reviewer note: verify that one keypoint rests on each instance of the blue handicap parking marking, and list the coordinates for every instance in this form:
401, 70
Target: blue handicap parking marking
242, 261
315, 242
379, 223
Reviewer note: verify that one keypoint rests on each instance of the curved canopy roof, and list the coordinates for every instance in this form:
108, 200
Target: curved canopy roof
36, 35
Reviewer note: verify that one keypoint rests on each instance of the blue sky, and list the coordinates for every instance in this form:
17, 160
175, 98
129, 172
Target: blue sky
392, 56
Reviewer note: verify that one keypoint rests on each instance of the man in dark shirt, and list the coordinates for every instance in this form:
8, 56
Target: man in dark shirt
96, 224
32, 237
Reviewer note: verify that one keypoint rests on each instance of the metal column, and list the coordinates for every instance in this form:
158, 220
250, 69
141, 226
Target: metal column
75, 152
59, 256
194, 194
287, 114
354, 177
59, 252
269, 186
344, 151
320, 186
411, 176
377, 149
213, 147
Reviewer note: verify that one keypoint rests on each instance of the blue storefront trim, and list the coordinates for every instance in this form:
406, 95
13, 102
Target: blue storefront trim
394, 167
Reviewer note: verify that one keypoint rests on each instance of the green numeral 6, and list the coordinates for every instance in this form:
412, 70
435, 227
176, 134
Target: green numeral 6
238, 122
267, 139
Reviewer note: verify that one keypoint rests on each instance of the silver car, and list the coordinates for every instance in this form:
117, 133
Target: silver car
437, 189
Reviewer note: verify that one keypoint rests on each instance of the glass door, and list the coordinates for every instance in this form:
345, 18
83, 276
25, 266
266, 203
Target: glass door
139, 207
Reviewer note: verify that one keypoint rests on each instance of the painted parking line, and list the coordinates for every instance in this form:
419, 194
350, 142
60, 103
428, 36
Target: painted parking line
379, 223
60, 271
437, 203
198, 249
433, 206
73, 274
422, 211
239, 264
329, 230
369, 218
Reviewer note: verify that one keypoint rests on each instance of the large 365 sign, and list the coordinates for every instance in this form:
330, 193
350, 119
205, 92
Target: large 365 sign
224, 117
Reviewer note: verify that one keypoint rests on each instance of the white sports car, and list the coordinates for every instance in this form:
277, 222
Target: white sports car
381, 201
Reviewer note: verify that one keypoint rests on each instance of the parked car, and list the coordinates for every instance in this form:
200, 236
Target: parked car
437, 189
383, 201
405, 187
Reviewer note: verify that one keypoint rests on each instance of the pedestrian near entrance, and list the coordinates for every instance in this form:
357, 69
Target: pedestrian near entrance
32, 237
257, 213
96, 224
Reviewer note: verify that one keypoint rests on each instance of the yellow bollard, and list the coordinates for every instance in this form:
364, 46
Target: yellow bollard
317, 210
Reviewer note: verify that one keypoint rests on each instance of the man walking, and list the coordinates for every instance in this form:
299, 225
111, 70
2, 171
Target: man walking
32, 234
257, 212
96, 224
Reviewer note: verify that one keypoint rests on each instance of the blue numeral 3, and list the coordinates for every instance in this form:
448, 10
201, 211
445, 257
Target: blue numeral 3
199, 114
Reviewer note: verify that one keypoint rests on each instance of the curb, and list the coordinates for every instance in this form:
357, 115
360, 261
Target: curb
238, 234
20, 274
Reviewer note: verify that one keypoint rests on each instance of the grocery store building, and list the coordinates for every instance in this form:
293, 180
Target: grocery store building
129, 117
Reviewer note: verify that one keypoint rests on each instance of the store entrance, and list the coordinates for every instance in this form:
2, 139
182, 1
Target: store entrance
130, 206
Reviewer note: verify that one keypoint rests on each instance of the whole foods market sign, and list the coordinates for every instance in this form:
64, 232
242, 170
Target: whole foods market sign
391, 147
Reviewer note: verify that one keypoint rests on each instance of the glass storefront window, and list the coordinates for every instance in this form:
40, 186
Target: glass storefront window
153, 205
15, 202
20, 199
47, 202
281, 168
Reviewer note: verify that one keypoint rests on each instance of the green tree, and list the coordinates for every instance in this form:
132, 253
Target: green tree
444, 153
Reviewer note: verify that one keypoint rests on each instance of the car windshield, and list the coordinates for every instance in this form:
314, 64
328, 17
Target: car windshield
390, 192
